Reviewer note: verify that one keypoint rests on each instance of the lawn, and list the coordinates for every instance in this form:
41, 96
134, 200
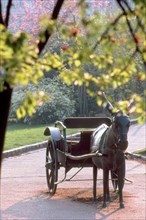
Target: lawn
19, 134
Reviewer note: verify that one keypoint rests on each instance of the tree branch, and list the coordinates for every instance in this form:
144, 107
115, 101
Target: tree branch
54, 16
134, 14
137, 48
107, 30
9, 5
128, 62
1, 16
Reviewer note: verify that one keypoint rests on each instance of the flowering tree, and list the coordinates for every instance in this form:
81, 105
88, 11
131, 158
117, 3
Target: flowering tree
25, 15
22, 62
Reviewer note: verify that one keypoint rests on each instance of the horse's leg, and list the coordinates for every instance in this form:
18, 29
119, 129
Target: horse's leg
94, 181
108, 198
121, 176
105, 185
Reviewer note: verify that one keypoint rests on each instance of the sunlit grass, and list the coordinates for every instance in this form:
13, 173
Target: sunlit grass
19, 134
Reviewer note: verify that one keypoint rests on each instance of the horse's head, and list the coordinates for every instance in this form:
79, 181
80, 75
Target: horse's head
121, 123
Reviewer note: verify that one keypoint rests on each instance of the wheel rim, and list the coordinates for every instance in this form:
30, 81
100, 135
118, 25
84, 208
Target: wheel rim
51, 168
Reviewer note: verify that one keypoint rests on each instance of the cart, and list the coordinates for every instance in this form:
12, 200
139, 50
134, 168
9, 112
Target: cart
70, 151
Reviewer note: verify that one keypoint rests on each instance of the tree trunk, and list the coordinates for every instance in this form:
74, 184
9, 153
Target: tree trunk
5, 100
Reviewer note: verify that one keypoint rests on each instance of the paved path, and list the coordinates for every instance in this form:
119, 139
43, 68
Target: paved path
137, 137
24, 191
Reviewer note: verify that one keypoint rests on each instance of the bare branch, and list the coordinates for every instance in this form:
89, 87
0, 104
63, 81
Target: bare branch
1, 16
54, 16
9, 5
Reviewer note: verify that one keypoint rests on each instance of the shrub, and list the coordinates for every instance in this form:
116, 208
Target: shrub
59, 104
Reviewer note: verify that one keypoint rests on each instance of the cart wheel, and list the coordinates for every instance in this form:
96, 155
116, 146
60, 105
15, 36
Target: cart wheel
51, 167
114, 180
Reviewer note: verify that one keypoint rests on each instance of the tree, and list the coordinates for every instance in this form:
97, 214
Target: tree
123, 30
26, 15
22, 62
13, 44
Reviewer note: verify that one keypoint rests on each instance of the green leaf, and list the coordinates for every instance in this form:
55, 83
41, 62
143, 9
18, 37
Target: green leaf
77, 63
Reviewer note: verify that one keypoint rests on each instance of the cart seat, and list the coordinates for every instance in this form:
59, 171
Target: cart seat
82, 146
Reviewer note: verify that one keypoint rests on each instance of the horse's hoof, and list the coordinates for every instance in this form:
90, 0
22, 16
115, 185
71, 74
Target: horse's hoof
121, 206
104, 205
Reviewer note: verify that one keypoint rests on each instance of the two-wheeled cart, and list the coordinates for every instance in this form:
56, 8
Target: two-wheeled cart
70, 151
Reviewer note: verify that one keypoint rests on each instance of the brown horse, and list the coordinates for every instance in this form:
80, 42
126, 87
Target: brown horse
111, 142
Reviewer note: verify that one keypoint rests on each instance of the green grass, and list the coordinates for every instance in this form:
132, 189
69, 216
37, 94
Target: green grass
19, 134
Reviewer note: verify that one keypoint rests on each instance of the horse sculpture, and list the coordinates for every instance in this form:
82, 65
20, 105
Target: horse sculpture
111, 142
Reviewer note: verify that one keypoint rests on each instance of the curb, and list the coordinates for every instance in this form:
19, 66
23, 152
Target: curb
24, 149
133, 121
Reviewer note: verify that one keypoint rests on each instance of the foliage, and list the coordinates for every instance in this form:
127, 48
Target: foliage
17, 58
58, 106
112, 50
19, 66
117, 62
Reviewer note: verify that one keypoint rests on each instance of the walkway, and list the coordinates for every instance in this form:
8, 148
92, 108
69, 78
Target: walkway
24, 190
